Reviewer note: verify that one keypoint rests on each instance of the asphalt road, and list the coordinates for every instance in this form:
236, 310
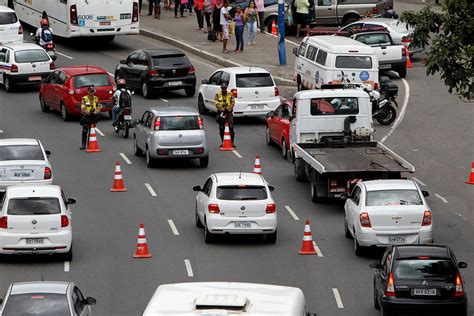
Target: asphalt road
435, 135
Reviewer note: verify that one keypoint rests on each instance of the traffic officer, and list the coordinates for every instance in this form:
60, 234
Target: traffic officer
90, 108
225, 105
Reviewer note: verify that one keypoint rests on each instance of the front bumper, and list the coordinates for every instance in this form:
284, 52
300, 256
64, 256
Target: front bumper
13, 244
167, 83
450, 307
219, 224
367, 237
23, 79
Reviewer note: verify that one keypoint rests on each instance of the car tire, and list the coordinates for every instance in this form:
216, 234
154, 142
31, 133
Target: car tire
376, 299
347, 233
67, 256
300, 172
201, 106
315, 197
197, 219
43, 105
271, 238
136, 151
204, 162
402, 72
268, 139
391, 117
64, 112
150, 161
350, 20
190, 92
284, 150
147, 94
209, 238
7, 84
358, 249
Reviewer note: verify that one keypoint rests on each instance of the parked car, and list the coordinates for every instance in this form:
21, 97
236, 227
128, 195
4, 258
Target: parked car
45, 298
169, 133
24, 64
419, 279
278, 127
236, 203
11, 30
36, 220
63, 90
254, 90
157, 70
379, 213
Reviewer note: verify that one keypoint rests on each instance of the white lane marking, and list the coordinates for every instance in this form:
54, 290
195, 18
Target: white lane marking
64, 55
401, 115
419, 181
460, 215
189, 269
111, 74
164, 100
337, 296
125, 158
152, 192
237, 153
99, 132
173, 227
66, 266
318, 251
293, 214
441, 198
1, 131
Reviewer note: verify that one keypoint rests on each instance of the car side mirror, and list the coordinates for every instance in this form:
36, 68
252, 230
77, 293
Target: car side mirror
47, 152
123, 62
295, 51
204, 81
344, 195
71, 201
375, 265
271, 188
425, 193
462, 265
383, 46
197, 188
54, 57
90, 301
270, 114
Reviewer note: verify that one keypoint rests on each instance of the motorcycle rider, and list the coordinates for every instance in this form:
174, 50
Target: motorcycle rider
374, 96
44, 34
122, 99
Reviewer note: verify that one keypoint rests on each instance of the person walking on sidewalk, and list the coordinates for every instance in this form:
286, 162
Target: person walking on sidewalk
301, 18
252, 23
225, 105
198, 8
216, 18
151, 5
225, 22
207, 11
180, 6
239, 29
157, 8
260, 4
190, 6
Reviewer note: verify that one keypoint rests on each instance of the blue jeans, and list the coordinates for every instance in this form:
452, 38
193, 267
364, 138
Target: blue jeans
252, 27
115, 112
239, 37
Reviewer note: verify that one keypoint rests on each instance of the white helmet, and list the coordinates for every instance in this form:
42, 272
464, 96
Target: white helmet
367, 87
336, 103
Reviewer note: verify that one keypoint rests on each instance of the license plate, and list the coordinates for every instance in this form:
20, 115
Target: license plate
181, 152
174, 83
34, 241
257, 106
427, 292
242, 224
386, 66
127, 117
21, 174
397, 240
34, 78
104, 23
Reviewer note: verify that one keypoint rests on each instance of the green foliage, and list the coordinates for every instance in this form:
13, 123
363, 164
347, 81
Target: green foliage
449, 38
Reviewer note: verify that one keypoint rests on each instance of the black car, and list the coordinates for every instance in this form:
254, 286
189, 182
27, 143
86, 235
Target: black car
156, 70
417, 279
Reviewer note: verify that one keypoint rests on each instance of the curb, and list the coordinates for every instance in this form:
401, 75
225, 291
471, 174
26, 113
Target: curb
199, 52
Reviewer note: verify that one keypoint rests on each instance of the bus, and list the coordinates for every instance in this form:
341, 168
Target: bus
79, 18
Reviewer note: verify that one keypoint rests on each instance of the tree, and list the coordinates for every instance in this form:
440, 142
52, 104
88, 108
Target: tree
451, 34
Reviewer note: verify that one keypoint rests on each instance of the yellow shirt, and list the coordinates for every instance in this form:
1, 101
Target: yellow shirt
226, 102
87, 105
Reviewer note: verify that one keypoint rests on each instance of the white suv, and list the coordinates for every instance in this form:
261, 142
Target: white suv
236, 203
11, 30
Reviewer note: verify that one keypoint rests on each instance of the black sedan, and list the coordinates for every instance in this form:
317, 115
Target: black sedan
156, 70
418, 279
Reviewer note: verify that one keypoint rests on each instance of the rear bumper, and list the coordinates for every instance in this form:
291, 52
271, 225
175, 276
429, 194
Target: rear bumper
367, 237
5, 184
22, 79
408, 304
246, 108
164, 83
12, 244
219, 224
392, 65
166, 152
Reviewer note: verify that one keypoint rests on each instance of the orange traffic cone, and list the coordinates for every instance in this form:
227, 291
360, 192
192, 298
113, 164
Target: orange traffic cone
274, 28
307, 247
93, 145
257, 167
409, 65
142, 246
118, 185
471, 175
227, 143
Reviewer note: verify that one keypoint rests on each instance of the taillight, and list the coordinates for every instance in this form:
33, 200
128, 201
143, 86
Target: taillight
333, 183
135, 12
364, 219
234, 92
271, 208
277, 92
191, 70
213, 208
52, 66
459, 287
3, 222
426, 219
375, 10
127, 112
14, 68
73, 14
153, 73
200, 123
20, 30
390, 286
157, 123
47, 173
64, 221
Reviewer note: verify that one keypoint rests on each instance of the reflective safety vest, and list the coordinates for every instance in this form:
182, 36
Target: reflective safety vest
86, 103
228, 100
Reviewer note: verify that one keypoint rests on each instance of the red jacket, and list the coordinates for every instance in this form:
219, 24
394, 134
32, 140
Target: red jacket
199, 4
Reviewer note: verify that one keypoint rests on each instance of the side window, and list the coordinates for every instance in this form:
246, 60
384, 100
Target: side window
79, 302
321, 58
3, 54
145, 117
133, 58
54, 77
61, 78
356, 195
352, 27
225, 78
215, 78
311, 52
302, 49
293, 109
334, 106
324, 2
285, 110
63, 197
142, 59
7, 56
207, 187
63, 1
150, 120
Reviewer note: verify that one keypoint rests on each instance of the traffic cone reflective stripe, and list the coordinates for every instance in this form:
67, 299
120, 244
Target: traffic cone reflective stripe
409, 65
93, 145
274, 29
142, 245
307, 247
227, 143
257, 168
471, 175
118, 185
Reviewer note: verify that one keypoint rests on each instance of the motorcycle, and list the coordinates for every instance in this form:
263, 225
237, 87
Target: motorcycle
50, 48
383, 109
124, 122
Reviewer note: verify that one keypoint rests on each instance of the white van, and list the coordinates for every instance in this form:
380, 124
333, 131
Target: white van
226, 298
322, 60
11, 30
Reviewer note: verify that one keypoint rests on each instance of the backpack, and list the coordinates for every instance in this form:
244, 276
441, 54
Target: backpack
211, 36
125, 99
46, 36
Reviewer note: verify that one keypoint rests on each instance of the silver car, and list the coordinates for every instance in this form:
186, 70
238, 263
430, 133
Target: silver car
45, 298
172, 132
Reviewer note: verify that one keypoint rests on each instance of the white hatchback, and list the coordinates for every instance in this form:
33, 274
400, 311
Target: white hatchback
254, 90
236, 203
384, 212
11, 30
36, 220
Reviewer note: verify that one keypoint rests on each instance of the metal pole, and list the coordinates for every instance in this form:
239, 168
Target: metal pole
281, 32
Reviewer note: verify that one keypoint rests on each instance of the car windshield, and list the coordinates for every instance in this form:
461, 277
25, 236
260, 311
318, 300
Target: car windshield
31, 56
177, 123
393, 197
334, 106
374, 39
96, 80
354, 62
170, 60
241, 193
254, 80
32, 304
7, 18
21, 152
33, 206
424, 268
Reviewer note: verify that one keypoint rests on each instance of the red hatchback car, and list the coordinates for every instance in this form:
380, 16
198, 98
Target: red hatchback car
278, 127
64, 88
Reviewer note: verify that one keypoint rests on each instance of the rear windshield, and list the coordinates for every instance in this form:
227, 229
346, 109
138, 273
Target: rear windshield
170, 60
424, 268
37, 304
393, 197
97, 80
176, 123
241, 193
400, 27
354, 62
33, 206
7, 18
21, 152
254, 80
334, 106
31, 56
374, 39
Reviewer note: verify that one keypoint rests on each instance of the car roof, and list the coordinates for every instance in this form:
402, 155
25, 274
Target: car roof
339, 44
6, 9
22, 46
235, 178
82, 69
410, 251
324, 93
18, 141
33, 190
40, 287
173, 110
400, 184
161, 51
243, 70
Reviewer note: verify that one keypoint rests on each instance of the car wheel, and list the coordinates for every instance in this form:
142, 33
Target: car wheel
197, 219
204, 162
347, 233
284, 150
271, 238
64, 113
7, 84
209, 238
150, 161
43, 105
358, 249
190, 91
387, 116
137, 151
402, 72
314, 192
146, 91
300, 173
376, 299
350, 20
201, 107
67, 256
268, 139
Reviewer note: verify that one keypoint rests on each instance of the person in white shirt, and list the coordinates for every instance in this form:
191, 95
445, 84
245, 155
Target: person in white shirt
225, 21
44, 34
121, 88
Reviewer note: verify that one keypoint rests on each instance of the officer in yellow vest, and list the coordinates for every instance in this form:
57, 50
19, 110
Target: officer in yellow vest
225, 105
90, 108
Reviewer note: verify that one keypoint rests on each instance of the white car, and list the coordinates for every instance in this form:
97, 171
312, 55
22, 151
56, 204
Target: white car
24, 161
36, 220
11, 30
383, 212
236, 203
253, 88
24, 64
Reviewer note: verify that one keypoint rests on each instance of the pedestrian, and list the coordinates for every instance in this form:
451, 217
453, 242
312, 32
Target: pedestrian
301, 18
251, 14
198, 8
90, 108
207, 10
239, 29
225, 105
178, 5
140, 3
190, 6
151, 5
157, 7
260, 5
216, 19
225, 21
